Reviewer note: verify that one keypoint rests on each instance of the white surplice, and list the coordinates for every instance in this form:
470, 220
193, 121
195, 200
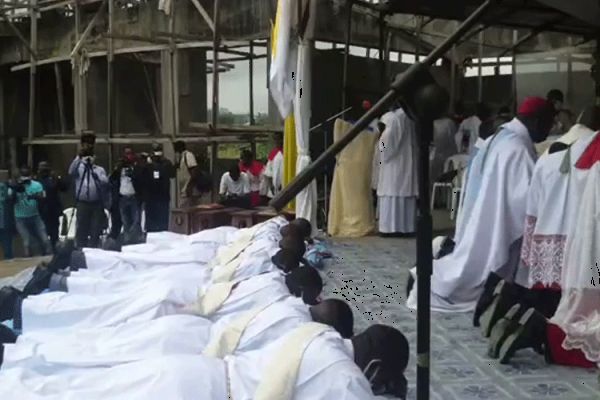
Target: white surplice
500, 175
326, 371
397, 188
469, 127
134, 341
578, 313
553, 198
444, 146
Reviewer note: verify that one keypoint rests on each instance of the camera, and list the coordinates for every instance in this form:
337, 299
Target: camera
18, 187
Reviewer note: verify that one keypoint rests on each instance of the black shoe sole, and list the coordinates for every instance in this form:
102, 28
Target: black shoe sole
502, 330
515, 341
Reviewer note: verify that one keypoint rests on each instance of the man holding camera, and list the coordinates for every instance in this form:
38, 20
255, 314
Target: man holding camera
157, 184
26, 192
50, 206
91, 183
127, 176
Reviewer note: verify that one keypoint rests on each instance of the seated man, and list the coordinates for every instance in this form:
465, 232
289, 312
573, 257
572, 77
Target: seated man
234, 190
174, 334
312, 362
495, 202
572, 336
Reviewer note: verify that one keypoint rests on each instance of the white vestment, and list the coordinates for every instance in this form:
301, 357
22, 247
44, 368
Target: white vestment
553, 198
469, 128
326, 371
397, 188
578, 313
140, 302
274, 170
444, 146
134, 341
499, 175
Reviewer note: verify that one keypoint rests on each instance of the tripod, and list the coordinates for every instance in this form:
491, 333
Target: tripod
88, 223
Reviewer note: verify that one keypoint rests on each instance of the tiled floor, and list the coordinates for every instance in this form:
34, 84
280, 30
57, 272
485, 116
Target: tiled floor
370, 273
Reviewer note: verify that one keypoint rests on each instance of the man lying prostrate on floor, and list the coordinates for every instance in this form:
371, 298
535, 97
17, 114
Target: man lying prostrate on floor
66, 311
311, 362
173, 334
495, 199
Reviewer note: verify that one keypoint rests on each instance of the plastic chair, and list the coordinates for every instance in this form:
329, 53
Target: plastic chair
456, 162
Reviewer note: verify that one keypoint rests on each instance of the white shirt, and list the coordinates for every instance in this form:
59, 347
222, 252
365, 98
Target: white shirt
229, 186
126, 186
188, 160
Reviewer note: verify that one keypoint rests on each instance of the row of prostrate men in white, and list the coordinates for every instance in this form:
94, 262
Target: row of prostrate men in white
220, 314
525, 252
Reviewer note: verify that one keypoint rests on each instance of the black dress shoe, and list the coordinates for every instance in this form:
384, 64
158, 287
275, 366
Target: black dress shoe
531, 333
503, 299
62, 256
7, 335
8, 298
503, 328
38, 282
487, 297
78, 260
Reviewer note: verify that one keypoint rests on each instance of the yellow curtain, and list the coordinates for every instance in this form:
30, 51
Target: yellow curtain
290, 153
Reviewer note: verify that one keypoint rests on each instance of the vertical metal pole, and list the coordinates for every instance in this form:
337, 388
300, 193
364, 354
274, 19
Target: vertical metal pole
453, 80
172, 71
424, 262
215, 93
346, 55
109, 83
569, 74
597, 74
251, 79
382, 54
418, 43
514, 71
60, 98
32, 79
480, 69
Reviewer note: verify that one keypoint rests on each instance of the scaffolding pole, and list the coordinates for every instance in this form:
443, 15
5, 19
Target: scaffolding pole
215, 86
251, 85
110, 58
60, 98
32, 77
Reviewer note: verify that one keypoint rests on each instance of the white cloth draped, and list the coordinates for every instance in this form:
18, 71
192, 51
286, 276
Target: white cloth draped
500, 175
306, 200
578, 313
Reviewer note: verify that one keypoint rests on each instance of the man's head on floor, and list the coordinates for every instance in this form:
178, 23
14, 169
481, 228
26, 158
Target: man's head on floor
537, 114
286, 260
335, 313
382, 353
293, 244
298, 227
306, 283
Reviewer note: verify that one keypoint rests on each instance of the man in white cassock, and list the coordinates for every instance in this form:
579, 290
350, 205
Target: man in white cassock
552, 203
397, 188
174, 334
496, 197
444, 146
312, 362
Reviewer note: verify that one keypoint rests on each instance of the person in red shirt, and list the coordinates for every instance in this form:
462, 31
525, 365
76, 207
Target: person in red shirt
254, 169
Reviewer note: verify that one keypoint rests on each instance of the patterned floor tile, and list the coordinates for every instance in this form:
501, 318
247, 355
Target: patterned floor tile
371, 274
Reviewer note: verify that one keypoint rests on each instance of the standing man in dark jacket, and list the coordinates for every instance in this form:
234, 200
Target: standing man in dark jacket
50, 206
127, 177
157, 185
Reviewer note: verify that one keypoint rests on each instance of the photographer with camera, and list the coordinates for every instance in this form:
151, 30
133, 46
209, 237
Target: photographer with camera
91, 184
126, 180
50, 206
6, 217
26, 193
158, 173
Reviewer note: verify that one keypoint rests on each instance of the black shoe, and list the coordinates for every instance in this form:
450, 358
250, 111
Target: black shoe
7, 335
38, 282
78, 260
503, 299
531, 332
62, 256
503, 328
8, 298
1, 353
487, 297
